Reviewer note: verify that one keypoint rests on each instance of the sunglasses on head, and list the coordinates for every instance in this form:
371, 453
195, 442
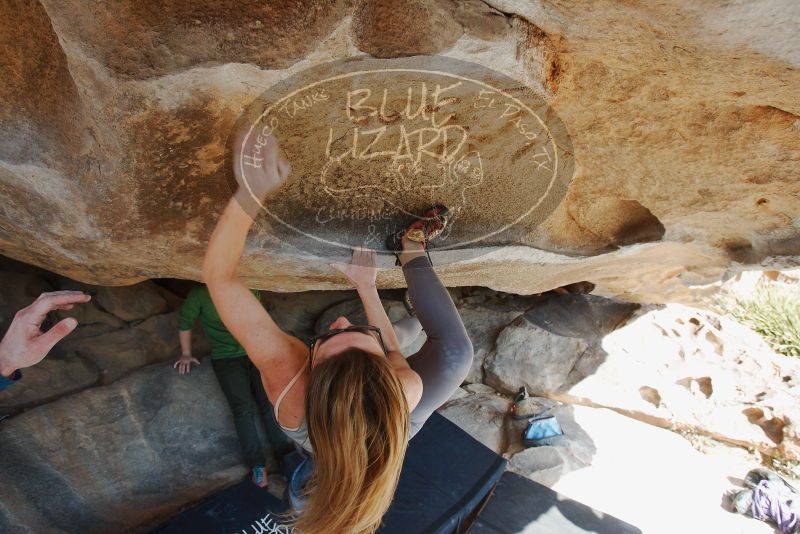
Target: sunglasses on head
356, 328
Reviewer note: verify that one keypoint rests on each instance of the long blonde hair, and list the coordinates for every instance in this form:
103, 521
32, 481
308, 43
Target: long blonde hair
358, 423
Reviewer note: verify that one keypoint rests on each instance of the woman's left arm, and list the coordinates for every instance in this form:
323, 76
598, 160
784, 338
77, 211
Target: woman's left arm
362, 272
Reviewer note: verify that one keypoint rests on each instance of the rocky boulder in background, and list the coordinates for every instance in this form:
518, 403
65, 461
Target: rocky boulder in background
676, 367
484, 321
104, 347
483, 416
688, 369
123, 456
554, 341
132, 303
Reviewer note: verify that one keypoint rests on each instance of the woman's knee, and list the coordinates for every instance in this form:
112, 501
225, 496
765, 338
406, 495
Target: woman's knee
461, 352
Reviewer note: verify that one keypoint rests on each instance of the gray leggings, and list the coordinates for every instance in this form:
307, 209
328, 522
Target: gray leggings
446, 357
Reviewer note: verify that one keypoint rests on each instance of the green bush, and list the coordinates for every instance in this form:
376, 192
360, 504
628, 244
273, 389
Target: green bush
773, 311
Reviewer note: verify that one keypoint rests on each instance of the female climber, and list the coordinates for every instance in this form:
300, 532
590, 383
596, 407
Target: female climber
349, 397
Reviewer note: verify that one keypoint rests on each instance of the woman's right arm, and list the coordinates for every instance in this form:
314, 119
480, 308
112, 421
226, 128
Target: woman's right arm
238, 308
271, 349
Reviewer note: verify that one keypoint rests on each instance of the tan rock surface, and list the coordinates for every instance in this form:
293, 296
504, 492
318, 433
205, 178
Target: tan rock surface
684, 120
634, 477
174, 433
687, 369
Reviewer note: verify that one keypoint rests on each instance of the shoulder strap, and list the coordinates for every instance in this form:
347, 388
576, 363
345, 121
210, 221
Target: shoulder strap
289, 386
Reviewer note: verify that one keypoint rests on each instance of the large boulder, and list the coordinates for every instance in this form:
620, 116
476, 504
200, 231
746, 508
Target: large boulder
578, 315
125, 457
484, 321
297, 313
92, 319
482, 415
694, 370
530, 356
54, 377
119, 352
97, 354
132, 303
555, 343
683, 121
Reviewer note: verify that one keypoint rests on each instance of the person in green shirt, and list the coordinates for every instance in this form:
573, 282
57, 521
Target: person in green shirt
238, 377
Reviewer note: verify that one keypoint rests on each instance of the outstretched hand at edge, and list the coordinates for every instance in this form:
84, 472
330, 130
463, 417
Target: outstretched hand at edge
25, 344
259, 167
361, 270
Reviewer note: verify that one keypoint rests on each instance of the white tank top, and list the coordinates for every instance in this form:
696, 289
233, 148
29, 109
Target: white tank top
299, 434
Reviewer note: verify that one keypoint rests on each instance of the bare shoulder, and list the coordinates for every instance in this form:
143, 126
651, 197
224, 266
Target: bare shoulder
409, 378
279, 358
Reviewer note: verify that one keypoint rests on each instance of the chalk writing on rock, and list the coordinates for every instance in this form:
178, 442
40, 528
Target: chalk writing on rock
373, 143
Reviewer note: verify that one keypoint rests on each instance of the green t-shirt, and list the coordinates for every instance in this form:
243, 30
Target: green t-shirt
198, 305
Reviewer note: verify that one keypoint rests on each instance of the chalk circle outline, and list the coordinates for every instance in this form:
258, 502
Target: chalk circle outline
382, 70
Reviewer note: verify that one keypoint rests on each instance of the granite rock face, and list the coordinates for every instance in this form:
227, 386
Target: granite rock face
554, 343
532, 356
132, 303
695, 370
683, 119
484, 321
483, 416
381, 27
117, 353
104, 347
125, 455
676, 367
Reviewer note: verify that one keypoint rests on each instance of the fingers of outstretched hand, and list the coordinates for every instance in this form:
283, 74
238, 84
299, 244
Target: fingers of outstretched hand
259, 167
284, 167
184, 365
361, 258
54, 300
364, 256
370, 257
42, 344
